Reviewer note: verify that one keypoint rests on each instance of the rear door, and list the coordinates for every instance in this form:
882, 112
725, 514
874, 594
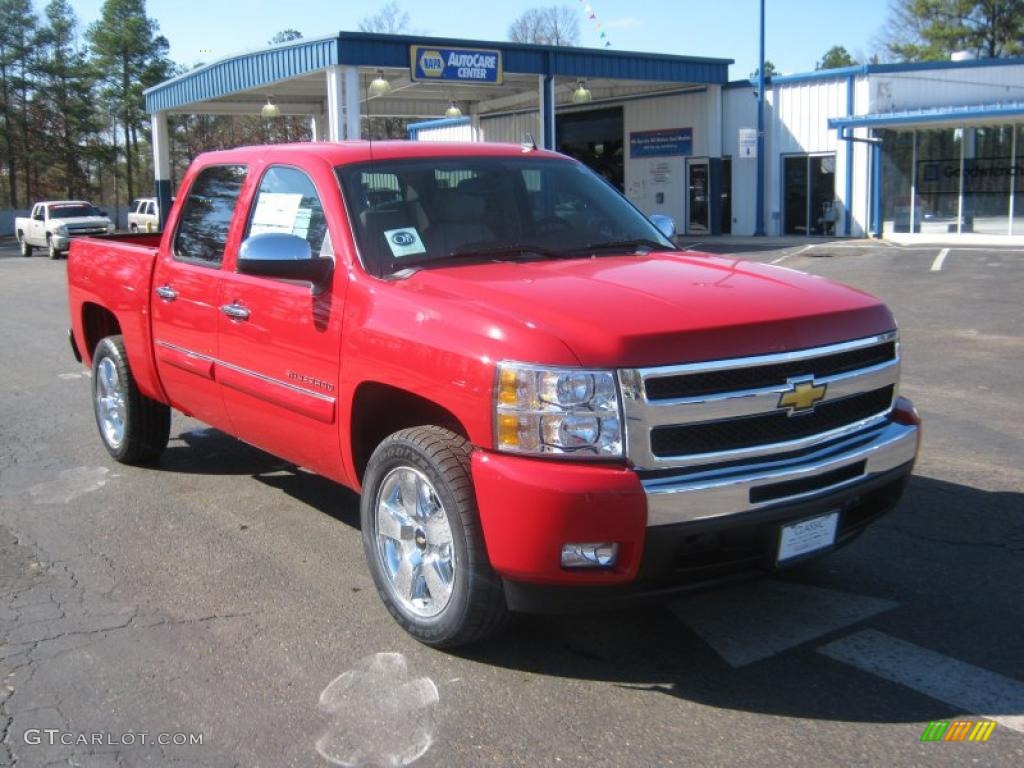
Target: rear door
187, 285
280, 344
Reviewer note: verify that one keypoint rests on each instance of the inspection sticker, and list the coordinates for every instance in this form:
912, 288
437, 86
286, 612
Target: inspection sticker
404, 242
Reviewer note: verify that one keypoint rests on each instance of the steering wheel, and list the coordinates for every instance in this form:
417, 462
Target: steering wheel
553, 224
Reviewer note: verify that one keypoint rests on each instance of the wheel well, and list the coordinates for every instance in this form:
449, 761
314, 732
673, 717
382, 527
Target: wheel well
379, 410
97, 323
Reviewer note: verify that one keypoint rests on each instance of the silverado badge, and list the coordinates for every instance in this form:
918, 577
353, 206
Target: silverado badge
802, 396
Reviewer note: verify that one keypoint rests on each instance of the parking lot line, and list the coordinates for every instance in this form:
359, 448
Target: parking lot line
797, 252
752, 622
939, 260
970, 689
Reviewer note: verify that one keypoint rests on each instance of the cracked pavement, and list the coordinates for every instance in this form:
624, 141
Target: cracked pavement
221, 591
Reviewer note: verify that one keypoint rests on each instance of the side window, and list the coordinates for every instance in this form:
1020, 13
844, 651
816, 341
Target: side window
151, 208
287, 202
206, 215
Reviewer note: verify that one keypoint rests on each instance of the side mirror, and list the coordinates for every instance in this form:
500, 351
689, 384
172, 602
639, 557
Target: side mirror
287, 257
104, 213
665, 224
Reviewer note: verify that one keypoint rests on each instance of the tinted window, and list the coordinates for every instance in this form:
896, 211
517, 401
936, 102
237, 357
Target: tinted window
151, 208
425, 211
288, 202
71, 211
206, 215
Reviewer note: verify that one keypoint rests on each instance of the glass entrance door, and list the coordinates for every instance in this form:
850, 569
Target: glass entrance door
809, 195
699, 209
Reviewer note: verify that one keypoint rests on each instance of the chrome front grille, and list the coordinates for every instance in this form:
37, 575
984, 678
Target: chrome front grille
726, 410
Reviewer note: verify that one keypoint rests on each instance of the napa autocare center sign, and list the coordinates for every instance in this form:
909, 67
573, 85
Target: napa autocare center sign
668, 142
460, 65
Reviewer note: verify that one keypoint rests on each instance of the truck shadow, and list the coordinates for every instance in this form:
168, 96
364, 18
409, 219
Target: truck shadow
946, 546
950, 558
209, 451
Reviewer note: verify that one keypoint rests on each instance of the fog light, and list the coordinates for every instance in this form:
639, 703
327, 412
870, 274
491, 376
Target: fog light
596, 555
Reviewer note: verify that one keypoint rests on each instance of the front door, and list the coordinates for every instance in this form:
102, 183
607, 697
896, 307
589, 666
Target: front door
186, 286
280, 342
699, 209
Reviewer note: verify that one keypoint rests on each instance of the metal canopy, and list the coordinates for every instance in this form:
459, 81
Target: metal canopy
286, 73
965, 115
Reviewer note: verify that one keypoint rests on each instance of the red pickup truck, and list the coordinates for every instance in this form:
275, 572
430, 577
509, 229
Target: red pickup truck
543, 402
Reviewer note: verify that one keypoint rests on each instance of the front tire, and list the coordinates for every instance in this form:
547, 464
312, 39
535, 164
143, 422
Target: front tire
423, 542
134, 428
54, 253
26, 249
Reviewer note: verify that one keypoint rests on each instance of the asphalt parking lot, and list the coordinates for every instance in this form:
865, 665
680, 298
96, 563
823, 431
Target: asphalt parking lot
221, 592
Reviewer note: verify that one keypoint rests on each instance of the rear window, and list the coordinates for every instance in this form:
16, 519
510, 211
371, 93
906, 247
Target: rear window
206, 215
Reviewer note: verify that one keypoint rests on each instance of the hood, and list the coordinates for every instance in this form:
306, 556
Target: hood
661, 308
81, 221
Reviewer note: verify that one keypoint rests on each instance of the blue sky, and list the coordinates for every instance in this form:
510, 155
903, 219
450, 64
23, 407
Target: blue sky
799, 31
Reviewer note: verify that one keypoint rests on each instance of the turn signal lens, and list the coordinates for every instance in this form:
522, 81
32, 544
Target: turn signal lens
543, 410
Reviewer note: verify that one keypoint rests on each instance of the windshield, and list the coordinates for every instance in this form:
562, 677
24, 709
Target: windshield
72, 211
430, 211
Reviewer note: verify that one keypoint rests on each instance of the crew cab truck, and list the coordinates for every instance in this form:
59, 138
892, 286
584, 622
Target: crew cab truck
53, 224
541, 400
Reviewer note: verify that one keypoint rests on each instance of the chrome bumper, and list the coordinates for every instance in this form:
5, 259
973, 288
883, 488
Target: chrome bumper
714, 492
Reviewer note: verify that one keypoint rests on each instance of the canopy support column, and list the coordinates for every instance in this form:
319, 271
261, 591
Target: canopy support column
352, 106
161, 165
335, 117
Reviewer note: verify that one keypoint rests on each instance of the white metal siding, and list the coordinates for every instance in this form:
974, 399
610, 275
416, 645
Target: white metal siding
511, 129
896, 91
447, 133
739, 107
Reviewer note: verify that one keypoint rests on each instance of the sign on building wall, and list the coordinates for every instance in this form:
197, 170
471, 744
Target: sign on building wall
668, 142
462, 65
748, 142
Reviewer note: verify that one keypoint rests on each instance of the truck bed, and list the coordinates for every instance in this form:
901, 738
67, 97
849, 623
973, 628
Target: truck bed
109, 291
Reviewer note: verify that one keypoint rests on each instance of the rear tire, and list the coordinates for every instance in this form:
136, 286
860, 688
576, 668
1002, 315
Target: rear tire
134, 429
26, 249
423, 541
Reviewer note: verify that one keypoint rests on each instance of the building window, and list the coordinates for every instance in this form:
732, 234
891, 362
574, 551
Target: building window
897, 193
937, 192
809, 191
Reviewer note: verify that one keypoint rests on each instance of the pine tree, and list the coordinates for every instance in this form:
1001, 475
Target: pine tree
925, 30
129, 50
17, 26
64, 102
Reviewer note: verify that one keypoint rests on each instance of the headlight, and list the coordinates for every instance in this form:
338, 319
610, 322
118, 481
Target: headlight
563, 411
61, 230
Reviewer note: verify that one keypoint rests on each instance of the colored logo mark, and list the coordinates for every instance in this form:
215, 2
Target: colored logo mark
958, 730
432, 63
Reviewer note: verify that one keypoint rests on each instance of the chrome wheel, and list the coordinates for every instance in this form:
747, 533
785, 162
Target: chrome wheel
110, 402
414, 542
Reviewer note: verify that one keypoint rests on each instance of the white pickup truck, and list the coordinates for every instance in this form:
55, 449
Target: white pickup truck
144, 215
54, 223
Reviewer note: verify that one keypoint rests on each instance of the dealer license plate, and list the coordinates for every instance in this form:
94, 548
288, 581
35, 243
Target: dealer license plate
807, 536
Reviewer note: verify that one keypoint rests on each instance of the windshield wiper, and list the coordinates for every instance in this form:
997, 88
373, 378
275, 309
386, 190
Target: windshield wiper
633, 246
503, 251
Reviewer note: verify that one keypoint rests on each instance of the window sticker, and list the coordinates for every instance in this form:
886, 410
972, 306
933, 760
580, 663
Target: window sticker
275, 212
404, 242
300, 227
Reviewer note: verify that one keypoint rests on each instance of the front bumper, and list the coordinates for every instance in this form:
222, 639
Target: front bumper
677, 529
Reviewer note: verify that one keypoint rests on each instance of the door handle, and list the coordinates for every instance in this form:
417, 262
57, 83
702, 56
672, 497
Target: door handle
235, 311
166, 292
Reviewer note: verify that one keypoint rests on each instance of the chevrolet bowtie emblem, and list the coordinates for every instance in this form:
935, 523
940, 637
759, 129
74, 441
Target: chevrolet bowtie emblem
802, 396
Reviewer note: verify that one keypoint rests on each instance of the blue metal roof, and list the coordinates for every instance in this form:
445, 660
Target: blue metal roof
873, 69
243, 72
246, 71
931, 115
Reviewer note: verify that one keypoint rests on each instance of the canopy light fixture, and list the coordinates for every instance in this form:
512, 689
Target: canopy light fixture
379, 86
582, 94
270, 110
453, 110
